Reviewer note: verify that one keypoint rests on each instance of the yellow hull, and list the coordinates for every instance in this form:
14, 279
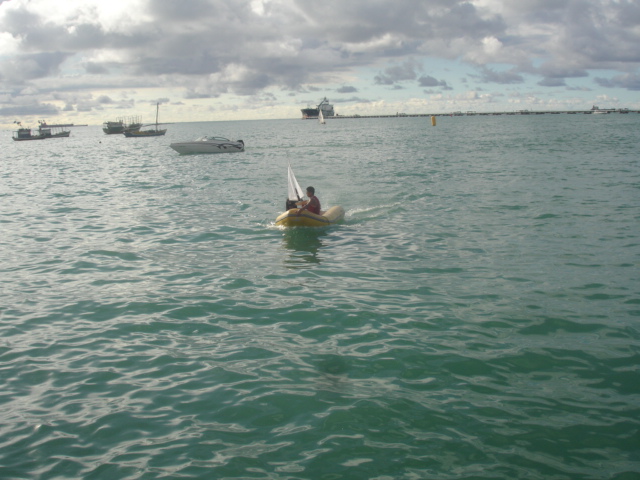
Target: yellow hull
290, 218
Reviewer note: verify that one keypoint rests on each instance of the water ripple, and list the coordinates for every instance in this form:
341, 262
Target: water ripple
475, 316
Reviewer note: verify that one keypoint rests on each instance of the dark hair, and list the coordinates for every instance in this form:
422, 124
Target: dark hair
312, 190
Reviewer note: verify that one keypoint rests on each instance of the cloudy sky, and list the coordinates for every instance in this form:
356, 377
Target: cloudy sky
87, 61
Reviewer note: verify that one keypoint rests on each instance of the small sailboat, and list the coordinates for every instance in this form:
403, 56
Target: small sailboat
291, 218
321, 117
147, 133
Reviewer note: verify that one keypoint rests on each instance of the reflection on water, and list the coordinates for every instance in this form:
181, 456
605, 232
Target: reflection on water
333, 364
304, 244
333, 369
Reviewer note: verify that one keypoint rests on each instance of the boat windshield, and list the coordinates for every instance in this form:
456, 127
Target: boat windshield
208, 138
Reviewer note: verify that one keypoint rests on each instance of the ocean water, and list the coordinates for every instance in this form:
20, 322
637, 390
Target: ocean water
476, 316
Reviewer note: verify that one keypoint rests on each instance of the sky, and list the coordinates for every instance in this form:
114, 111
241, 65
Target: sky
89, 61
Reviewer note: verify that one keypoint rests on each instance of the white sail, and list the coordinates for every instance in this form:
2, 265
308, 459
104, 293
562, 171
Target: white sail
321, 116
295, 192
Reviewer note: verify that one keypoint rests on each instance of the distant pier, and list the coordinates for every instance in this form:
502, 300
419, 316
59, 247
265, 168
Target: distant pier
487, 114
61, 125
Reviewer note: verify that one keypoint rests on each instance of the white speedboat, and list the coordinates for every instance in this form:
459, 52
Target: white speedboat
208, 144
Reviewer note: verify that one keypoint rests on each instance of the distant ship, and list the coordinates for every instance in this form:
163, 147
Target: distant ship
122, 125
314, 113
596, 109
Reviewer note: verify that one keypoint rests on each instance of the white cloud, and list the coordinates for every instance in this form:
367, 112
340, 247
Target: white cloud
491, 45
9, 44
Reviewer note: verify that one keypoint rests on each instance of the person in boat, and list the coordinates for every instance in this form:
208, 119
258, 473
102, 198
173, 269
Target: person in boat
313, 204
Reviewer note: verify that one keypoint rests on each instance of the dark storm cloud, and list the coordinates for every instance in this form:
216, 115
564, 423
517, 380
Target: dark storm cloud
628, 81
347, 89
31, 66
284, 43
412, 20
398, 73
93, 68
28, 109
170, 10
105, 100
582, 35
488, 75
429, 81
552, 82
352, 100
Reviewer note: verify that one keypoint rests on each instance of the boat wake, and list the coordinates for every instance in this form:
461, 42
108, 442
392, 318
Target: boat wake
360, 215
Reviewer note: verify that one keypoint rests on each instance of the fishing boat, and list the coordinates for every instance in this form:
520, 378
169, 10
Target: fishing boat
294, 218
23, 134
208, 144
121, 125
156, 132
52, 131
44, 132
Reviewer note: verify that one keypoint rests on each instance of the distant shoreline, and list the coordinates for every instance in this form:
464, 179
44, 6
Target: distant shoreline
472, 114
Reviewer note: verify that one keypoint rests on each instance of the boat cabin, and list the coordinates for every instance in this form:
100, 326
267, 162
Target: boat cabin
23, 133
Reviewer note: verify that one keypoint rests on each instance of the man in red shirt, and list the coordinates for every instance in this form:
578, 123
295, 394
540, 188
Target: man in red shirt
313, 204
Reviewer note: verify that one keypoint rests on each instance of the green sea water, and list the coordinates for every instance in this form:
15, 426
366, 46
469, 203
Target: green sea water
474, 317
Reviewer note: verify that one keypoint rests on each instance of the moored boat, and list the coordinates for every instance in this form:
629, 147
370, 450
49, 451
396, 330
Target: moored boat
44, 132
208, 144
52, 131
156, 132
121, 125
23, 134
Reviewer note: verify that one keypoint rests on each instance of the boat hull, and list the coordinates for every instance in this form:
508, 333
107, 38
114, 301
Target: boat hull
310, 113
324, 107
121, 125
145, 133
113, 128
58, 135
291, 218
187, 148
25, 134
34, 137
